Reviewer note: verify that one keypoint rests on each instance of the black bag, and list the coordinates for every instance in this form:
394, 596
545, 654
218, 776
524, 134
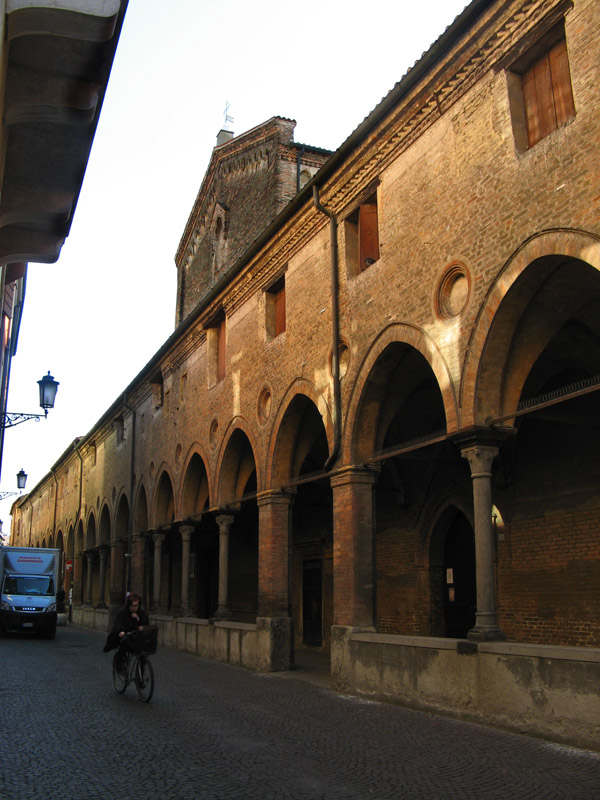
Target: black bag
144, 641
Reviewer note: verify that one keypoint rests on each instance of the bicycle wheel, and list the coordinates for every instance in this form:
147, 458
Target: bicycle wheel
120, 673
144, 679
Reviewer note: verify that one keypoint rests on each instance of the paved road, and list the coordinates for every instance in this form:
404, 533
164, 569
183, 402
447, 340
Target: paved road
215, 732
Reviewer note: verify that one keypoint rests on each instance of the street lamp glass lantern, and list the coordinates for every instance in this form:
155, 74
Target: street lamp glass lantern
21, 479
48, 387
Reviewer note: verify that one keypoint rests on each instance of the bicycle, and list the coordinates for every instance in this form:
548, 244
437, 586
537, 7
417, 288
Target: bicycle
131, 663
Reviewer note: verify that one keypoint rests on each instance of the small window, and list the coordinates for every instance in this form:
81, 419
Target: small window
275, 309
120, 429
216, 343
546, 96
362, 236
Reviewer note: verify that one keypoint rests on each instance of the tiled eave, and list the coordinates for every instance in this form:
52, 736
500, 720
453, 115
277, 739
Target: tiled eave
58, 57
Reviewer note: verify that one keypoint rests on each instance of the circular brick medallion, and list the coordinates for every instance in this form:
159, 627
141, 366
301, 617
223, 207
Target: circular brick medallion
453, 291
265, 404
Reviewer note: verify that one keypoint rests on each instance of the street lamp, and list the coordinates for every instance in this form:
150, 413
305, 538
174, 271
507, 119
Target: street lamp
21, 481
48, 387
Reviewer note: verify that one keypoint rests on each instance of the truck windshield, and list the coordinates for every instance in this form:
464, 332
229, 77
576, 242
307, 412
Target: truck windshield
37, 585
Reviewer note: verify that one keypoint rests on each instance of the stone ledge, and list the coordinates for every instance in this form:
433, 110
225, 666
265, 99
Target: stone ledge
582, 654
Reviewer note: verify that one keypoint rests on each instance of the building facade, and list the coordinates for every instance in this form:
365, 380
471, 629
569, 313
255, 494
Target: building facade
373, 431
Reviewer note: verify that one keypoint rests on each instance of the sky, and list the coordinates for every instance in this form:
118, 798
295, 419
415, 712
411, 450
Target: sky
97, 316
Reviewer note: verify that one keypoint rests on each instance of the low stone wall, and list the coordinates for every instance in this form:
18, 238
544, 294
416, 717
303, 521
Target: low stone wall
541, 690
90, 617
264, 646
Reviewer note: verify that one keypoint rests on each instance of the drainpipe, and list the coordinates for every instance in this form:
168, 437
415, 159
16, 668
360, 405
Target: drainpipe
128, 564
335, 332
77, 520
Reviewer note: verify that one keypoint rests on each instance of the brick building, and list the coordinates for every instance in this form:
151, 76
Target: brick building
373, 430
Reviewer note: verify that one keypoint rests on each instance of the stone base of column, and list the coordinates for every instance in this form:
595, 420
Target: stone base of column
486, 629
275, 644
342, 662
222, 614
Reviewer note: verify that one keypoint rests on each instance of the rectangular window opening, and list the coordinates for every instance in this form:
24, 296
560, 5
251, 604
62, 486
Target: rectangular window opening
540, 90
275, 309
362, 236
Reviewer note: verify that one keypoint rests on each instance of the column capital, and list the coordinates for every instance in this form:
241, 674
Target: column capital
186, 532
224, 521
356, 475
480, 458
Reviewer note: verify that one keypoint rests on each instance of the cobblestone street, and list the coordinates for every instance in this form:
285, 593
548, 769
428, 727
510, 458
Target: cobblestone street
215, 731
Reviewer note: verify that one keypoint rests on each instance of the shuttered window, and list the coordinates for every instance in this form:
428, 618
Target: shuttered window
547, 93
368, 236
362, 236
275, 310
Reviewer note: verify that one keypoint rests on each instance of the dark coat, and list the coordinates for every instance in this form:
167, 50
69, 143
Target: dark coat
124, 622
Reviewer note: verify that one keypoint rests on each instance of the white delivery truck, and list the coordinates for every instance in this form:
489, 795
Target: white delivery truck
28, 584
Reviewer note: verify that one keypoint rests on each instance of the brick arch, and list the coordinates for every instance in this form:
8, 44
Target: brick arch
280, 441
196, 454
141, 510
227, 478
484, 392
122, 511
105, 524
160, 503
91, 531
417, 338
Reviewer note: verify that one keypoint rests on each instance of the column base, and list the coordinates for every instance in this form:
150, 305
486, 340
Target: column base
222, 614
275, 638
482, 633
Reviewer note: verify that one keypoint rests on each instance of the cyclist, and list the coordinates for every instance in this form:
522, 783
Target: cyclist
130, 618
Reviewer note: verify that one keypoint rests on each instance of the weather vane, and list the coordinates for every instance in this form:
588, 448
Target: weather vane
228, 119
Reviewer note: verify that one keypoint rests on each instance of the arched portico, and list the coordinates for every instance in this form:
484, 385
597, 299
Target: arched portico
539, 376
238, 527
200, 540
299, 513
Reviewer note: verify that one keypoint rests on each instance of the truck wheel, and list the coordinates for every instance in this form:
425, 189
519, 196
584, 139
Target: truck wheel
50, 633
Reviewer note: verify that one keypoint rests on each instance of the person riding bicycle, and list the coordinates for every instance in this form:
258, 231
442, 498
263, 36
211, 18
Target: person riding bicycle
130, 618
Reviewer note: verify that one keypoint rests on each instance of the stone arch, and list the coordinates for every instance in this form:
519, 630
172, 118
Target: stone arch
195, 487
236, 465
514, 325
164, 511
280, 466
363, 418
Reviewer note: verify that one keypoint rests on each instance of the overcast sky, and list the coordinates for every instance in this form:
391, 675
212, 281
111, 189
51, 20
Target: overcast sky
97, 316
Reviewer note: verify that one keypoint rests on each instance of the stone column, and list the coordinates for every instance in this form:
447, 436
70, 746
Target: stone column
353, 562
89, 556
158, 539
224, 522
186, 532
102, 579
480, 457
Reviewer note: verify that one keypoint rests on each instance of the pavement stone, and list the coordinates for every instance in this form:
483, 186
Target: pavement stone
217, 732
